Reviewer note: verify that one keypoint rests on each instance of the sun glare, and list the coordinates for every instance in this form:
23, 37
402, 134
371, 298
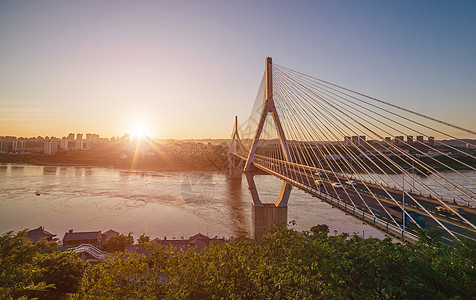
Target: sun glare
138, 130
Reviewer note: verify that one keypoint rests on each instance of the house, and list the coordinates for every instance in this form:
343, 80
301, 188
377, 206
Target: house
39, 233
108, 234
200, 241
197, 241
74, 239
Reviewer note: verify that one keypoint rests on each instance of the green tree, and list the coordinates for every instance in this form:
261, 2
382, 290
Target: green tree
143, 239
118, 243
286, 264
32, 269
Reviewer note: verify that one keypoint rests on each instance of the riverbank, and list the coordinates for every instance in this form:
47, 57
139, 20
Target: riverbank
165, 162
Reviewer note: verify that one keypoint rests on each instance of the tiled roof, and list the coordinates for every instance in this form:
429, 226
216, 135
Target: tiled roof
199, 236
111, 231
77, 236
37, 234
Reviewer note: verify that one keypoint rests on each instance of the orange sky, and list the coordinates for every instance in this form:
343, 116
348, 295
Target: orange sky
184, 69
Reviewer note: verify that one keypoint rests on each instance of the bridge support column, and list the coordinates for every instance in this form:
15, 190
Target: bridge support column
235, 172
266, 215
235, 164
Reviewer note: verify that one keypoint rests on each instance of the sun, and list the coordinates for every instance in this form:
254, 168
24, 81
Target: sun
138, 131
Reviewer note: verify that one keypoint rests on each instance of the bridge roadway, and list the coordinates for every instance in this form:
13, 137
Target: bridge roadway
349, 196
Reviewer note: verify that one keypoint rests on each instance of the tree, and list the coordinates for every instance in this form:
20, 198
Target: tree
33, 269
286, 264
143, 239
118, 243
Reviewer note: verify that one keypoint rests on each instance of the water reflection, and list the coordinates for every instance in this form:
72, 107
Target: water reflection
88, 171
78, 171
235, 206
17, 168
49, 170
155, 203
63, 170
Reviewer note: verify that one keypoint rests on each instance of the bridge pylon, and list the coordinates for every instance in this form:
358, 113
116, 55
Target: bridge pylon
235, 165
266, 214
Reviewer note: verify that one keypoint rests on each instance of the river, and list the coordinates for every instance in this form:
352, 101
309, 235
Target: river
159, 204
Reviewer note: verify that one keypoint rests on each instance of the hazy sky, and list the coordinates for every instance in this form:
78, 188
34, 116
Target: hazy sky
183, 69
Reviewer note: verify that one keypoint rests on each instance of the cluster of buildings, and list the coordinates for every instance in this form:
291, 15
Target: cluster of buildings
48, 145
88, 244
71, 142
178, 147
397, 140
89, 141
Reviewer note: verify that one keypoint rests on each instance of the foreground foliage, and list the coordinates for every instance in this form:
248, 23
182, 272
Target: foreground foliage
36, 269
291, 265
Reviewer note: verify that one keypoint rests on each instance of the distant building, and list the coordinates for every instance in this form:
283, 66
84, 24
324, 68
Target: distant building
362, 140
71, 137
410, 139
18, 145
388, 139
108, 234
92, 137
347, 141
431, 141
399, 140
419, 138
64, 144
6, 144
50, 147
73, 239
39, 233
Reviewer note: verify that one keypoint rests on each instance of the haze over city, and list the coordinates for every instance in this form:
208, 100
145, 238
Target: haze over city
183, 69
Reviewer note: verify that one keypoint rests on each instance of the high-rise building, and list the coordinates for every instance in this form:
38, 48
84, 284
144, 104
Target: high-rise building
362, 140
431, 141
347, 141
71, 137
409, 139
77, 144
399, 140
419, 138
50, 147
64, 144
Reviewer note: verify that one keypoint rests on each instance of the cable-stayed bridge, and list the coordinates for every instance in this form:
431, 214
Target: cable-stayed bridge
393, 168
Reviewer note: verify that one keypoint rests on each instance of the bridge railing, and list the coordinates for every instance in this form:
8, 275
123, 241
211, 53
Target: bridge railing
368, 218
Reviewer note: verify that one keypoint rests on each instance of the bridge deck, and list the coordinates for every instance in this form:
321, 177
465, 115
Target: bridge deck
369, 206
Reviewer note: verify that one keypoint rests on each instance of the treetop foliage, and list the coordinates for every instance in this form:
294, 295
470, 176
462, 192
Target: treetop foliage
284, 264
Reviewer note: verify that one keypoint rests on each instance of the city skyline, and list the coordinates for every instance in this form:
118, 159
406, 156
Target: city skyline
183, 70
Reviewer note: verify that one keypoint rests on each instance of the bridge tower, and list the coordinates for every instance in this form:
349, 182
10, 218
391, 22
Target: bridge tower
235, 165
266, 214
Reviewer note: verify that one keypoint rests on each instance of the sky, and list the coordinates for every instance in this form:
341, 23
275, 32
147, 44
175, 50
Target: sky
184, 69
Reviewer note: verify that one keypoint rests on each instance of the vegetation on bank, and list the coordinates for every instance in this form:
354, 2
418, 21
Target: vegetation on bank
206, 161
283, 265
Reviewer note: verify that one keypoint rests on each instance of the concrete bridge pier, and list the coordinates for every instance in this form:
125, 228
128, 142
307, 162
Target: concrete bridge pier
265, 216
